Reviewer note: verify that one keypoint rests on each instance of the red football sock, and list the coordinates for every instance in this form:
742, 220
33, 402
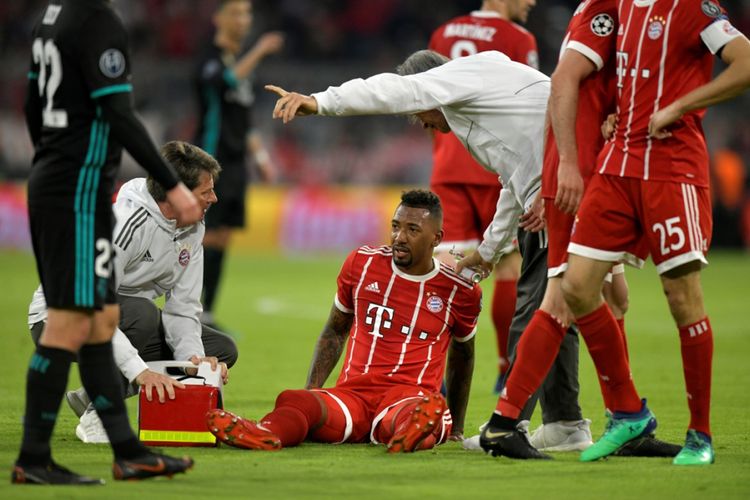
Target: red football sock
621, 324
536, 352
604, 340
503, 308
697, 345
609, 400
295, 413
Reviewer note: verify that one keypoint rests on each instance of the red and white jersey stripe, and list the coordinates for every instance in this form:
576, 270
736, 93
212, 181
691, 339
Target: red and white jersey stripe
592, 32
403, 323
664, 50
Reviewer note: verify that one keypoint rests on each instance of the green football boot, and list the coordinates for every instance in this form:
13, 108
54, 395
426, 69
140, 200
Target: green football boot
697, 450
621, 428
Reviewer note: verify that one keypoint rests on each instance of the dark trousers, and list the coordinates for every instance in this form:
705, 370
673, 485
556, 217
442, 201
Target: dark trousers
140, 321
558, 394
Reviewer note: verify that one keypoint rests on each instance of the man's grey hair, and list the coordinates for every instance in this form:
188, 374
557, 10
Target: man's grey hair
421, 61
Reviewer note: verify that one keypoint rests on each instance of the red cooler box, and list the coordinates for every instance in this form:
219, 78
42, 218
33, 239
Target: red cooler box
181, 421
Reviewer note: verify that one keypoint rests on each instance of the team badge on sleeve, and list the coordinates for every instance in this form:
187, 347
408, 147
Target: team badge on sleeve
710, 8
112, 63
602, 24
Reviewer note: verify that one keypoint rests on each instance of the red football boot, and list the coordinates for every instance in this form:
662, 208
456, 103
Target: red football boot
239, 432
424, 418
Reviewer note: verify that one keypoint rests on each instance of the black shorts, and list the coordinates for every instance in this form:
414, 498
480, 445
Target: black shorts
73, 252
230, 188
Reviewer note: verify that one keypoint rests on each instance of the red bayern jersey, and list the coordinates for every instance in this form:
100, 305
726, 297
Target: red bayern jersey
403, 324
592, 31
463, 36
664, 51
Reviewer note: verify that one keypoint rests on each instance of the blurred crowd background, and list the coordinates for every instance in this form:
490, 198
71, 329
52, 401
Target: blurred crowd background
327, 42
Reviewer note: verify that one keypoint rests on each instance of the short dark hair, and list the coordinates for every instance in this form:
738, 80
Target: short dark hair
421, 61
189, 161
422, 198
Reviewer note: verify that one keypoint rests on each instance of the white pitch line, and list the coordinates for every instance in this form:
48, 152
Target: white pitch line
275, 306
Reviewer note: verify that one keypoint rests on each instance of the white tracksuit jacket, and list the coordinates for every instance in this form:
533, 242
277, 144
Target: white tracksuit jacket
496, 108
152, 258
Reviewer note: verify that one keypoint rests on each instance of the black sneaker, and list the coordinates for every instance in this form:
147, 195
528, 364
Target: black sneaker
648, 446
510, 443
149, 465
49, 474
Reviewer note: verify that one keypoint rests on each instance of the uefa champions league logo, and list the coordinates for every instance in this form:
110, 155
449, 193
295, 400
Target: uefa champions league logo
112, 63
602, 24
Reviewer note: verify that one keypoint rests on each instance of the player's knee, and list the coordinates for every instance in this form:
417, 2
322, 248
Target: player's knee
104, 324
684, 295
554, 303
300, 399
66, 330
677, 300
575, 293
684, 303
229, 352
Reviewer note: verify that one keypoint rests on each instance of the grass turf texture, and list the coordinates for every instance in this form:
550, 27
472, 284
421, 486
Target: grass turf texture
277, 307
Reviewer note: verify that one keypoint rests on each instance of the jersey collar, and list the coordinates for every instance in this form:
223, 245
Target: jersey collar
419, 278
487, 14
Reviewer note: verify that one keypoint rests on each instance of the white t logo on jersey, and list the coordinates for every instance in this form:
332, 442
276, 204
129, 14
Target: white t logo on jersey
380, 319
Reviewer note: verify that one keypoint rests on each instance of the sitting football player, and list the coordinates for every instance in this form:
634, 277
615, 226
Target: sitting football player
402, 311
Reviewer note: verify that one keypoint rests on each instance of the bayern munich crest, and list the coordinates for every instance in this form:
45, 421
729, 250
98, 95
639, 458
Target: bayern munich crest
655, 28
435, 304
184, 257
602, 24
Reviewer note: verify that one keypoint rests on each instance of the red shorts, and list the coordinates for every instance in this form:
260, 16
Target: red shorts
623, 219
355, 408
467, 211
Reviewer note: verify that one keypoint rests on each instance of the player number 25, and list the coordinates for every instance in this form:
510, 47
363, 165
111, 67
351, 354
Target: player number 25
668, 230
46, 54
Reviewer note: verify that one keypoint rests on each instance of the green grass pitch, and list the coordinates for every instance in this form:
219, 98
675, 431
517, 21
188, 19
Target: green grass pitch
277, 306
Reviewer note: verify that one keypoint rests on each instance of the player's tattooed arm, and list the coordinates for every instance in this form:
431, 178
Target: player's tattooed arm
329, 347
458, 378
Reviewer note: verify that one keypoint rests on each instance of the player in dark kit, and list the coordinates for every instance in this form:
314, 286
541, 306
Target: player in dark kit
225, 97
79, 114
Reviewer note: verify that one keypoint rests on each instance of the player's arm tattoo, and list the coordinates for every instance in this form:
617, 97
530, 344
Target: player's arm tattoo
458, 379
329, 347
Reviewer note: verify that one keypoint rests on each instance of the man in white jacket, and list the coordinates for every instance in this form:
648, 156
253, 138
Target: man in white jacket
496, 108
155, 257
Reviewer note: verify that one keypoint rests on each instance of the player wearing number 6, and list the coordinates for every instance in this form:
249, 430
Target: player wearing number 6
652, 197
402, 312
79, 115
